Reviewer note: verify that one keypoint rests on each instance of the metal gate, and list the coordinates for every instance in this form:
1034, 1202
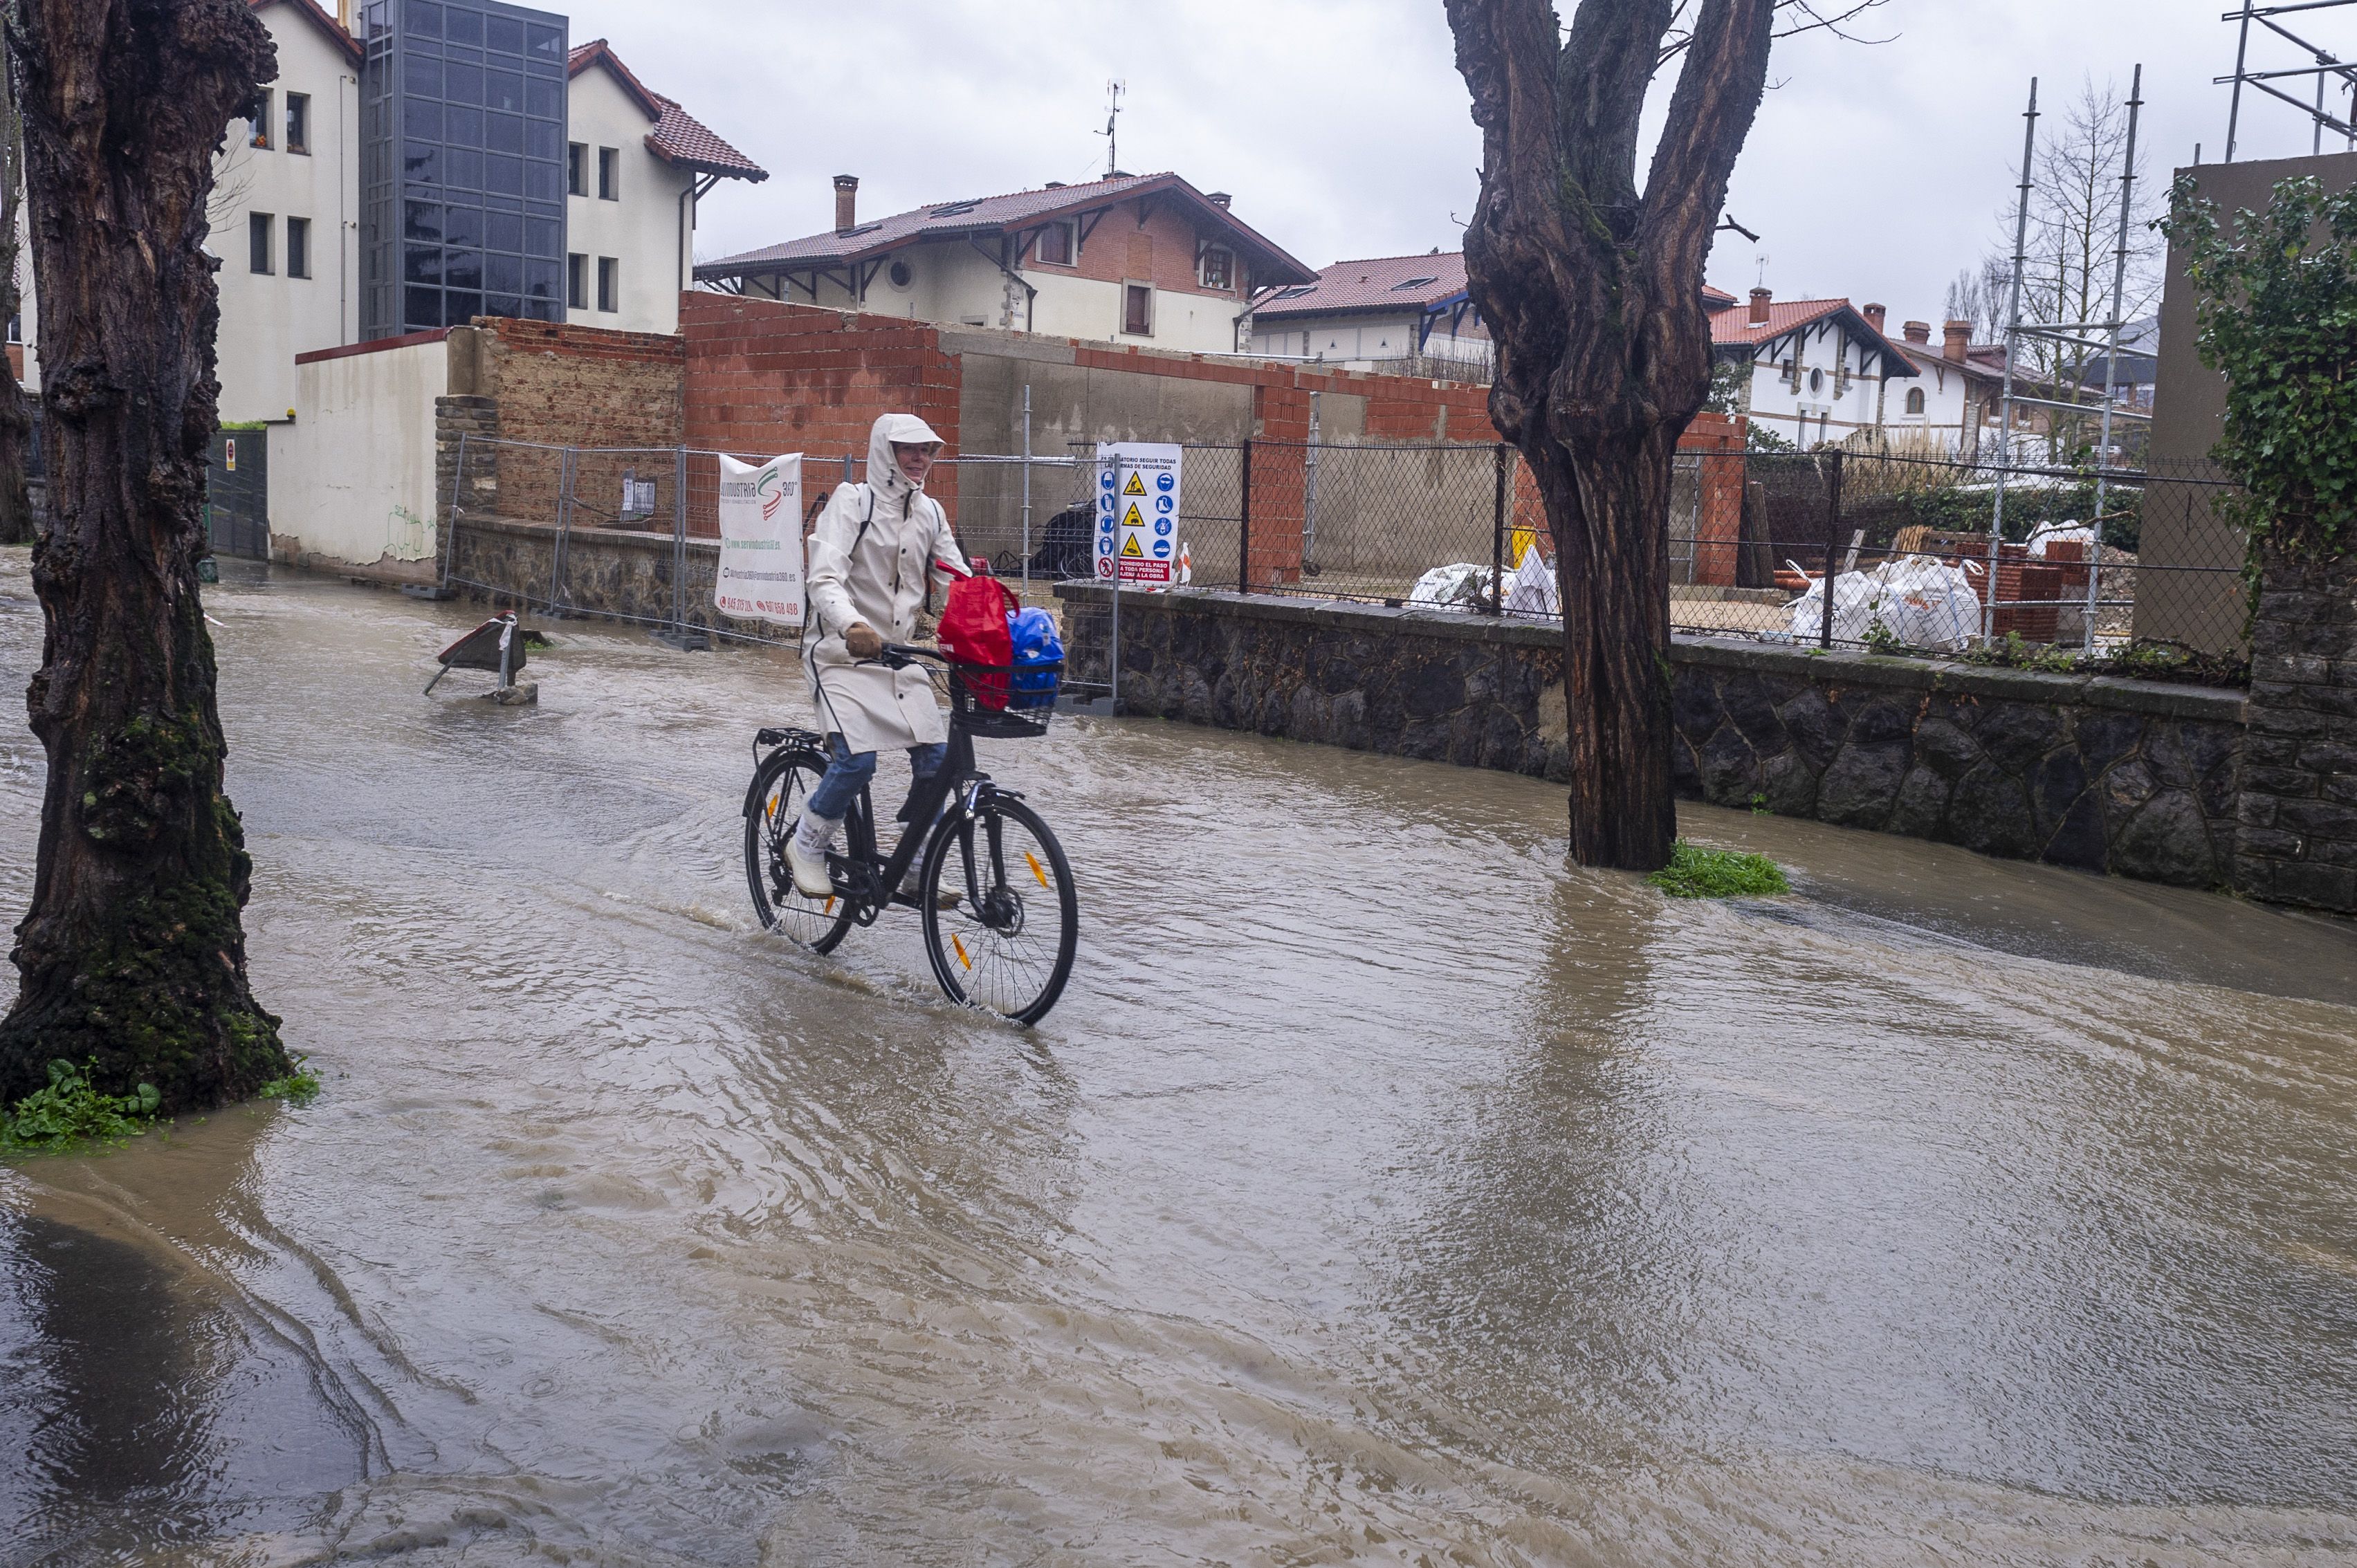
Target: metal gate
237, 494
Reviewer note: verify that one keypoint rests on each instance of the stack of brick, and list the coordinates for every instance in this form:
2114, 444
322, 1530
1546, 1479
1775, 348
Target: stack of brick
2296, 816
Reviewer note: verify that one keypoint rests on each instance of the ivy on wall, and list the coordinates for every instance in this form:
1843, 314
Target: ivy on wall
2277, 317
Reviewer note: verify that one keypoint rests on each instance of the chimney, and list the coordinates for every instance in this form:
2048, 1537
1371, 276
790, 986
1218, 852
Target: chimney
1218, 199
847, 203
1918, 333
1760, 299
1875, 315
1960, 336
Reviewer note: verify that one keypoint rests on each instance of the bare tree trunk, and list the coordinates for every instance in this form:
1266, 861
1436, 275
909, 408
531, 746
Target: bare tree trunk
17, 520
134, 953
1594, 295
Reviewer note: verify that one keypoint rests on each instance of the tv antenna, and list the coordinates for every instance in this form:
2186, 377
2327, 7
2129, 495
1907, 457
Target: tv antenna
1114, 90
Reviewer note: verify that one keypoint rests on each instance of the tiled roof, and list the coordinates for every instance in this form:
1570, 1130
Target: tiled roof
1730, 328
317, 17
1380, 282
678, 137
1715, 299
995, 214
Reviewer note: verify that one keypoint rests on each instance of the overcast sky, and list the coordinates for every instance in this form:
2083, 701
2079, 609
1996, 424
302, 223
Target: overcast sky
1342, 127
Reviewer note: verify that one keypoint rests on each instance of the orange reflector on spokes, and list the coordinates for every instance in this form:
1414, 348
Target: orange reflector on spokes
1036, 868
830, 906
959, 945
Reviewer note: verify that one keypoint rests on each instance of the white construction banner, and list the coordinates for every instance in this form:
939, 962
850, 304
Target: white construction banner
761, 541
1138, 513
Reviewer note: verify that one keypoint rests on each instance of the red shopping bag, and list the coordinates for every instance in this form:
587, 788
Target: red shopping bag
973, 631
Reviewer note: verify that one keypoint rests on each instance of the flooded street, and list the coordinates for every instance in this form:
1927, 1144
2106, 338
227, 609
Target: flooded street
1380, 1190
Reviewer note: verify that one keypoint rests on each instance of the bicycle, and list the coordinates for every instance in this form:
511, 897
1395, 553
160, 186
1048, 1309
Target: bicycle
984, 932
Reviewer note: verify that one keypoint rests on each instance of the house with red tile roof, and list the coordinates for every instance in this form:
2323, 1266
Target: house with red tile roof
1820, 370
1145, 260
422, 167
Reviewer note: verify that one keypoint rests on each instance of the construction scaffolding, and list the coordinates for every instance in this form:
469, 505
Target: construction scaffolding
2326, 67
2066, 334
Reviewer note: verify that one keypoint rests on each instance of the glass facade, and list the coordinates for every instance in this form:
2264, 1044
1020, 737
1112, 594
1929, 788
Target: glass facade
462, 164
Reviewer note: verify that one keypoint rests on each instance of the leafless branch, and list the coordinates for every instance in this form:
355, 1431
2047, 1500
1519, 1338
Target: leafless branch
1793, 18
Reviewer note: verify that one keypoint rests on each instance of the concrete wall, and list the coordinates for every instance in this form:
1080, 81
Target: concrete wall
642, 228
352, 478
2125, 777
2189, 410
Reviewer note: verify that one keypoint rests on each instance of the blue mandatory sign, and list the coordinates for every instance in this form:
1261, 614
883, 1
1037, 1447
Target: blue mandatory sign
1162, 547
1163, 503
1106, 479
1165, 482
1162, 526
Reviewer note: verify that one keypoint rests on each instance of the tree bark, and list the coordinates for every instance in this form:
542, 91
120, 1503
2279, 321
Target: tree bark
17, 520
1593, 293
134, 951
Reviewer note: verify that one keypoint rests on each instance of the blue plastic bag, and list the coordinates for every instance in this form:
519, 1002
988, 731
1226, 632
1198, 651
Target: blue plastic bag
1035, 642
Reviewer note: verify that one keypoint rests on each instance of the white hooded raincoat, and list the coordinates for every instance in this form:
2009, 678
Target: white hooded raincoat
878, 576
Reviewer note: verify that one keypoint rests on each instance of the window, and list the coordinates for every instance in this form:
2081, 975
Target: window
298, 246
609, 174
1137, 309
1056, 244
1219, 269
1914, 400
901, 275
1816, 382
577, 169
258, 114
1297, 292
577, 281
609, 286
257, 243
298, 123
1413, 282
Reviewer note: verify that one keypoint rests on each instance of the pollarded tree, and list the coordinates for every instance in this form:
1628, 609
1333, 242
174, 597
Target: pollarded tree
1592, 289
134, 953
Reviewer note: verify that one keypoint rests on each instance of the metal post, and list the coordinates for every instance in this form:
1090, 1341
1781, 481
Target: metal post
2112, 359
679, 545
2012, 351
1832, 544
1027, 488
1114, 676
564, 526
2242, 56
1243, 525
1310, 492
1498, 534
450, 528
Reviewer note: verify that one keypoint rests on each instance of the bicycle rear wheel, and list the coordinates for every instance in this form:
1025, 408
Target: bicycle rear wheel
780, 787
1006, 944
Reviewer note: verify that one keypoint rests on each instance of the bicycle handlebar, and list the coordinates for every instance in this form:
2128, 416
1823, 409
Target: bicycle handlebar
900, 655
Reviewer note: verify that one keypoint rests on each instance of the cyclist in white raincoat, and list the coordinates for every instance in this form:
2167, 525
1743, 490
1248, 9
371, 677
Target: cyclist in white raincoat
879, 547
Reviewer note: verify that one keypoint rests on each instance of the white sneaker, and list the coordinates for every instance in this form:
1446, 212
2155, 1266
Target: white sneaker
806, 856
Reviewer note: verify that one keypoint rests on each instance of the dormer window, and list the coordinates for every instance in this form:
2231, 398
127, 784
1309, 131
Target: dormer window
1055, 245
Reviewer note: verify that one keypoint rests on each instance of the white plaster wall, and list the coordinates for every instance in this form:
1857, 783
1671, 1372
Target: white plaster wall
268, 319
1807, 415
641, 229
352, 479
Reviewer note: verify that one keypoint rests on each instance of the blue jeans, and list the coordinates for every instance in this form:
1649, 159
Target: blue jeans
849, 771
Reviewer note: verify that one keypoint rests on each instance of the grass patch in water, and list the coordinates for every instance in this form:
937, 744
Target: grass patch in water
298, 1088
70, 1112
1694, 871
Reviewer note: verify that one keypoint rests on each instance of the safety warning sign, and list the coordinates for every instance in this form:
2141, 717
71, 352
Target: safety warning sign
1137, 512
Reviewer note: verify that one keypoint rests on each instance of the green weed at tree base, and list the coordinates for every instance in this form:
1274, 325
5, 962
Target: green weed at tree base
1694, 871
69, 1112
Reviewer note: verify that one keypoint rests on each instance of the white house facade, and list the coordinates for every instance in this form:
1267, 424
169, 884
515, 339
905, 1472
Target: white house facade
1820, 370
1384, 308
1137, 259
321, 250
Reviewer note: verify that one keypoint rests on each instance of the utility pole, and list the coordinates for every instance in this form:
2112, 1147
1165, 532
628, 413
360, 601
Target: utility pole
1114, 90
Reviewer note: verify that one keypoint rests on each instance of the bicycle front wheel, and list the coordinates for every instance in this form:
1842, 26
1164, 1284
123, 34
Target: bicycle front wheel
1005, 941
780, 789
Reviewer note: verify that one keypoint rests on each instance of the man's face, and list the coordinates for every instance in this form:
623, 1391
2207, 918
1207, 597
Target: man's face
916, 460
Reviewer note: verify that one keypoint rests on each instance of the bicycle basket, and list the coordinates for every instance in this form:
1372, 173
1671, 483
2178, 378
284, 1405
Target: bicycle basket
1021, 697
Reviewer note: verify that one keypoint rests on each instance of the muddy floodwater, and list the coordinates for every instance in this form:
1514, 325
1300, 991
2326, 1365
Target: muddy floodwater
1382, 1190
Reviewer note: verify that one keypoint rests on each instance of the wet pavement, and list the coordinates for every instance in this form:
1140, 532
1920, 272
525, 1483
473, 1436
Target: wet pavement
1381, 1191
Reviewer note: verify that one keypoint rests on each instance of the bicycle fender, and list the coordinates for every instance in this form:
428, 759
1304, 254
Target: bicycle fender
753, 789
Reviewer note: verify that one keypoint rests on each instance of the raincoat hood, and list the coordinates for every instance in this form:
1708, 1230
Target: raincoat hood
884, 475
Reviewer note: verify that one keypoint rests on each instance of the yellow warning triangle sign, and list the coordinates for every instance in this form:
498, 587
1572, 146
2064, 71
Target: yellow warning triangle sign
1129, 548
1133, 520
1137, 487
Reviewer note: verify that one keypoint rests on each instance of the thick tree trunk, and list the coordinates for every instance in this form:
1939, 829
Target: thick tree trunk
1593, 293
17, 520
134, 953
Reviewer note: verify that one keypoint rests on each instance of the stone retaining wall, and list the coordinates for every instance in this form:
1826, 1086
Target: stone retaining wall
2298, 811
2132, 777
623, 573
